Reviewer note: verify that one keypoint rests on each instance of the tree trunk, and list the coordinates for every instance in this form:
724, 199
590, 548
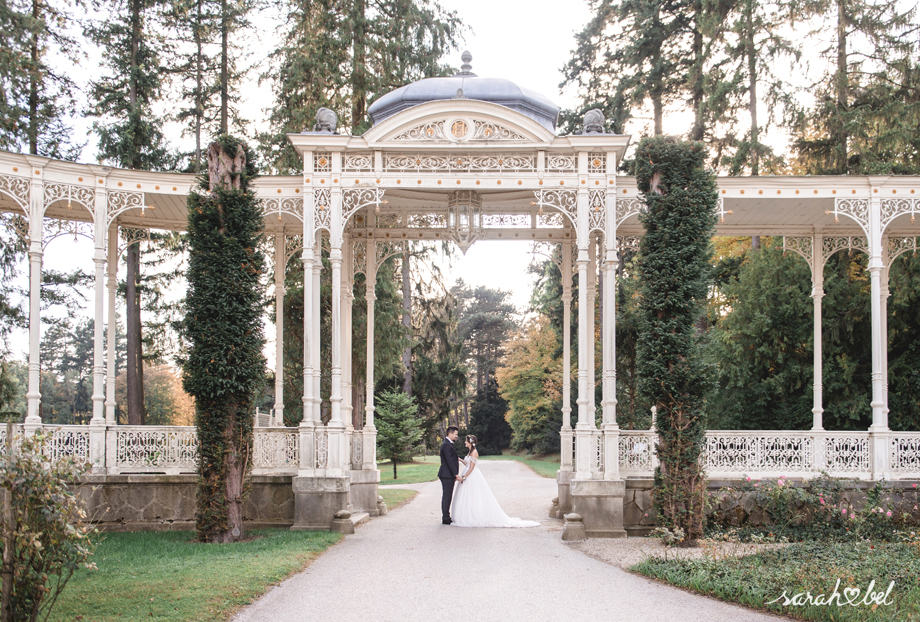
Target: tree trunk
394, 468
33, 80
755, 242
359, 86
752, 87
7, 528
842, 87
134, 365
224, 67
407, 323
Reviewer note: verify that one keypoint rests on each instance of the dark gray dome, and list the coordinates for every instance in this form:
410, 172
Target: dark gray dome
495, 90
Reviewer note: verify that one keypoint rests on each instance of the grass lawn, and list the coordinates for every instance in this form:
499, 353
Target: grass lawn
420, 470
812, 567
395, 497
544, 466
166, 576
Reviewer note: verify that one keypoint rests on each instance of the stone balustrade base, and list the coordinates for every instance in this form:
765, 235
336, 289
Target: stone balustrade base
317, 499
363, 492
600, 504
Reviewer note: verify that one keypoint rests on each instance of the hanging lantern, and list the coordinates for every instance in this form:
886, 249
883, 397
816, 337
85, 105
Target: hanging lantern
464, 217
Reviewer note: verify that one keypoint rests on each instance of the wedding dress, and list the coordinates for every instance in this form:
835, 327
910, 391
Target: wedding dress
474, 505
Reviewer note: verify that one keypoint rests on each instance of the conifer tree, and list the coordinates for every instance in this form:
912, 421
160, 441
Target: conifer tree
342, 55
674, 253
398, 433
36, 97
225, 367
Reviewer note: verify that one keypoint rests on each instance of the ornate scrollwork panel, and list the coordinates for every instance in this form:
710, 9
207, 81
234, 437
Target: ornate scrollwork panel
283, 205
17, 188
846, 454
857, 209
628, 207
460, 163
293, 244
566, 201
637, 453
68, 442
597, 163
904, 453
549, 250
322, 209
755, 453
322, 162
171, 448
359, 257
597, 210
358, 198
552, 220
119, 201
388, 221
433, 130
892, 208
485, 130
55, 228
628, 242
427, 221
838, 243
385, 250
899, 245
801, 245
82, 195
131, 235
359, 163
560, 164
321, 447
276, 449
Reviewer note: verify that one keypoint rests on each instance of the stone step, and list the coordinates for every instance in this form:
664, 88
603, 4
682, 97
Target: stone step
359, 517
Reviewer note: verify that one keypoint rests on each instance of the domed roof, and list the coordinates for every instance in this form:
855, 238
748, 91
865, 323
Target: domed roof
470, 86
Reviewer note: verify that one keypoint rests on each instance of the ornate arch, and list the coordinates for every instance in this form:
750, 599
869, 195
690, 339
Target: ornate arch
119, 201
293, 206
81, 195
18, 189
564, 201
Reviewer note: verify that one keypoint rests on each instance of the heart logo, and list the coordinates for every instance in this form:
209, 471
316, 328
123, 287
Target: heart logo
851, 594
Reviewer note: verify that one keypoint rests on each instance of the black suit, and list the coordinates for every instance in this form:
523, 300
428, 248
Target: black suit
450, 468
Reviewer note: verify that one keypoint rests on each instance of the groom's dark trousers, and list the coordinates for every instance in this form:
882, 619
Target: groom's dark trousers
450, 468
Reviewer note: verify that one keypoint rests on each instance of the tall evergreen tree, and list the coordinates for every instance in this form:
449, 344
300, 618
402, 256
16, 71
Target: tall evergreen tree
225, 367
870, 42
674, 253
130, 136
36, 97
342, 54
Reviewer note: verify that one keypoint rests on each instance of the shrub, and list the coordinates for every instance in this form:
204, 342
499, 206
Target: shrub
44, 537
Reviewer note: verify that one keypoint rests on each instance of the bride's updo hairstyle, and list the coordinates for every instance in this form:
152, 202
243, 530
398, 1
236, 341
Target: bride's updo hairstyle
471, 440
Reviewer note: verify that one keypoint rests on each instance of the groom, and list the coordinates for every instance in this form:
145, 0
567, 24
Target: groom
449, 472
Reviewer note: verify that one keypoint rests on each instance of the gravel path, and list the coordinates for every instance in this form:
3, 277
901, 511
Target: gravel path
407, 566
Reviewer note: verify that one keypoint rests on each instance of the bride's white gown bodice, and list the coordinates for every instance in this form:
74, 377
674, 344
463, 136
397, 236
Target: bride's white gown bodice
474, 505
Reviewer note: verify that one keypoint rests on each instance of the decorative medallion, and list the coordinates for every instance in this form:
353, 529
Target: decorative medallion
459, 129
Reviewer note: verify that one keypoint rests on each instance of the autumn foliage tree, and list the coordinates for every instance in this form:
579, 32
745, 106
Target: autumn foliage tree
223, 325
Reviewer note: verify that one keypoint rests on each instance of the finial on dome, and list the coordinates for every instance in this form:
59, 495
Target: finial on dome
465, 68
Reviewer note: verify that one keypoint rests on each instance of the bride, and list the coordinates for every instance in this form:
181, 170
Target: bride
474, 505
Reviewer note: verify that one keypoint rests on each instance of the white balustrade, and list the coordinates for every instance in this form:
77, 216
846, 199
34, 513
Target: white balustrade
155, 449
904, 452
275, 451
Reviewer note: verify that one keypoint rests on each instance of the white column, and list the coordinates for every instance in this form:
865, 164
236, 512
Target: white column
585, 425
879, 429
317, 360
112, 283
884, 315
609, 379
280, 269
567, 449
370, 431
100, 212
817, 294
36, 217
335, 397
347, 298
308, 335
592, 330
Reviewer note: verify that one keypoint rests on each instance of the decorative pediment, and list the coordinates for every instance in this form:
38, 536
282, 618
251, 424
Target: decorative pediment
459, 130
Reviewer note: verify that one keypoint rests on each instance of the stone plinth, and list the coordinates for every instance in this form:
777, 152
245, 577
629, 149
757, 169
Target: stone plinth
317, 499
564, 482
363, 492
600, 503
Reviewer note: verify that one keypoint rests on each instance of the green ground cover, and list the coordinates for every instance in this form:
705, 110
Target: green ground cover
395, 497
167, 576
544, 466
812, 567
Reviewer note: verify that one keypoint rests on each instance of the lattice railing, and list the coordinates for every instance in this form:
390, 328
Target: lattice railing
68, 441
276, 449
148, 449
637, 452
321, 448
904, 452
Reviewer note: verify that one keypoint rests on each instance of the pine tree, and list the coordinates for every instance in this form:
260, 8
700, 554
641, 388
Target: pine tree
674, 253
398, 433
342, 54
37, 98
487, 420
871, 41
225, 367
